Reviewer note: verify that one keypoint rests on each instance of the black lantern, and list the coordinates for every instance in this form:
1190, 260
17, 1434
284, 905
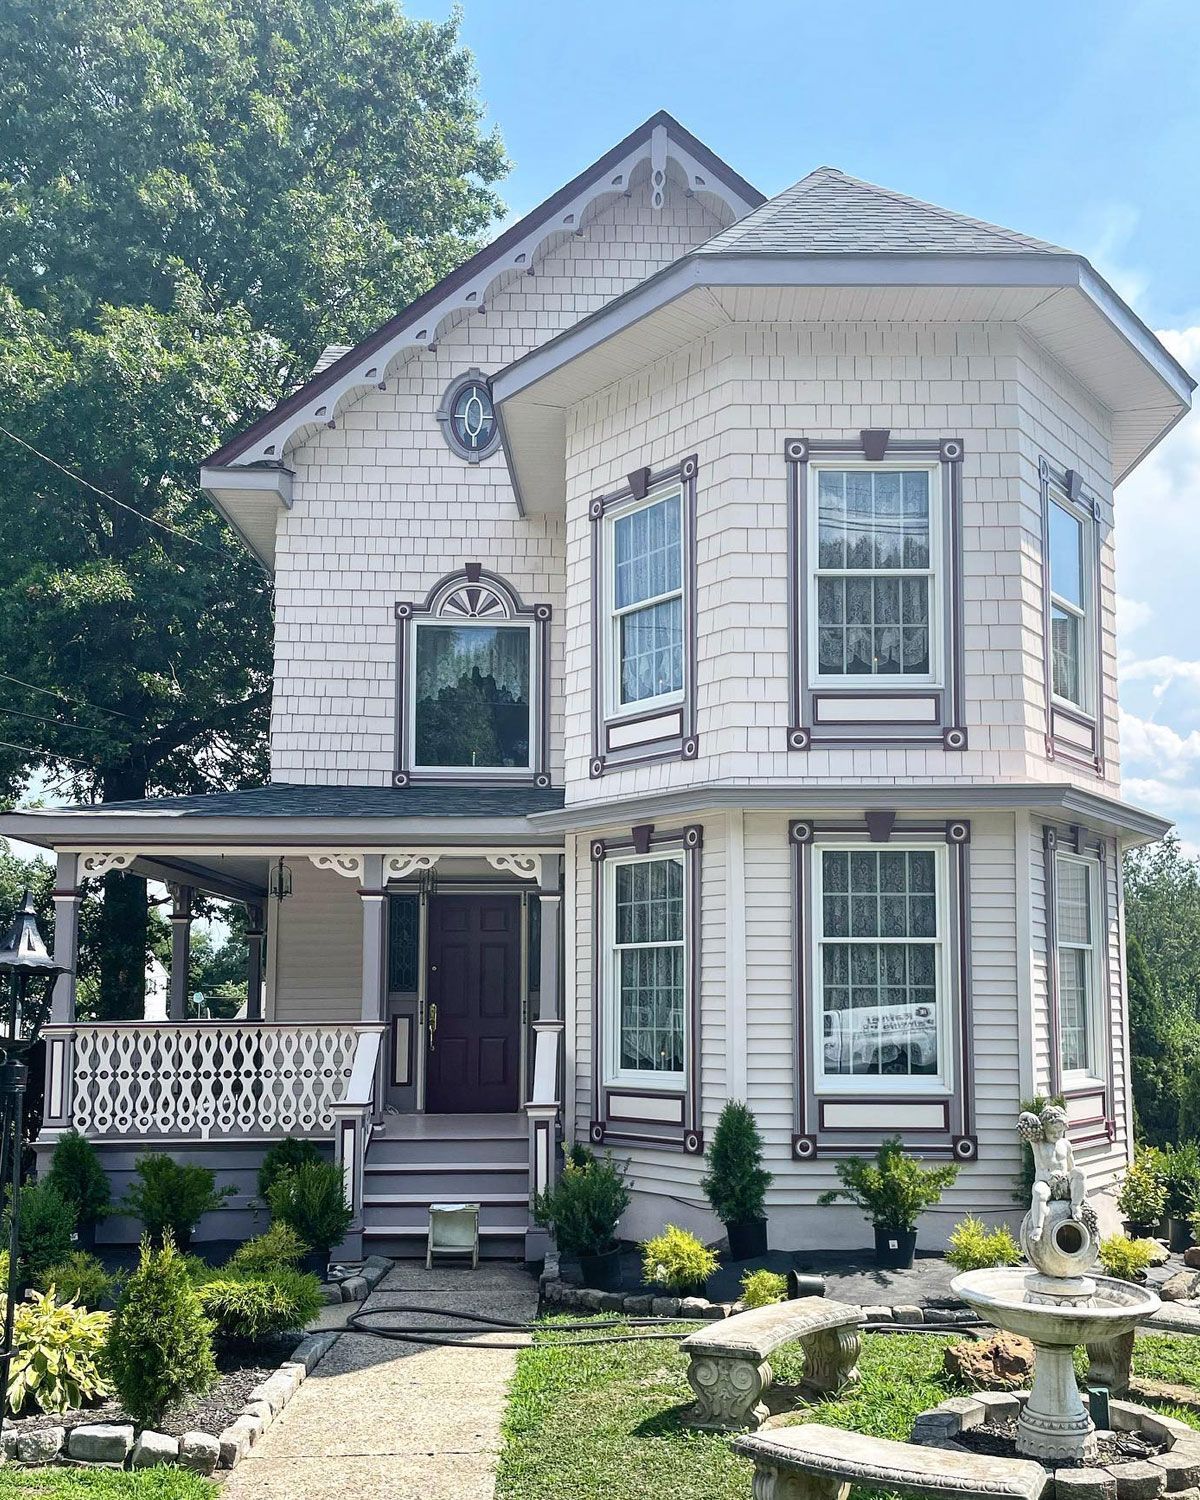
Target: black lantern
280, 882
27, 975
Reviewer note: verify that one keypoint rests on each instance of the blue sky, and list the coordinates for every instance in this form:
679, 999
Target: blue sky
1079, 123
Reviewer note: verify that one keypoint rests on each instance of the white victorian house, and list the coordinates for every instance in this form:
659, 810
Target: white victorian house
695, 679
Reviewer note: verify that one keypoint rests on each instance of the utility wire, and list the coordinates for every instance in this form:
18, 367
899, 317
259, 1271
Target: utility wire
112, 499
46, 754
19, 713
65, 697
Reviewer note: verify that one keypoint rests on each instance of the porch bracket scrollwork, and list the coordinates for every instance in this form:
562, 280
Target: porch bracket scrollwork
527, 866
348, 865
398, 866
101, 861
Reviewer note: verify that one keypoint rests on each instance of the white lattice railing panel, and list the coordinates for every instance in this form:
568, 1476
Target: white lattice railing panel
201, 1079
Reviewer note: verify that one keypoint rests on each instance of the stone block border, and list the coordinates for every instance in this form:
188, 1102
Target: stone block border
556, 1292
357, 1288
113, 1445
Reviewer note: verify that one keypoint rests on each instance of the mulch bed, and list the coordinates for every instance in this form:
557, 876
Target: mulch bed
998, 1440
240, 1373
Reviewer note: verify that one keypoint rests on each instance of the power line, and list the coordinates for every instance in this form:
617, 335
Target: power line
20, 713
64, 697
45, 754
112, 499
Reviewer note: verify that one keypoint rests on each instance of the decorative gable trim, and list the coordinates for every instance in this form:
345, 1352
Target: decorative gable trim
659, 140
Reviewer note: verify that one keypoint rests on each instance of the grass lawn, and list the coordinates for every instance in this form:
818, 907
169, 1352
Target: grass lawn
103, 1484
604, 1421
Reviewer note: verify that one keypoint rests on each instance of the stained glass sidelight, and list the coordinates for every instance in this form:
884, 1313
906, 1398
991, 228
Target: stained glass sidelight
404, 943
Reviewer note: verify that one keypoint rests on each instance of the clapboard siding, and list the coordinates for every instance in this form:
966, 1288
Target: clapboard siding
319, 952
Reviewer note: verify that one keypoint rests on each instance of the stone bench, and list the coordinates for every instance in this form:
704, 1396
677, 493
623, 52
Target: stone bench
814, 1462
1111, 1361
727, 1360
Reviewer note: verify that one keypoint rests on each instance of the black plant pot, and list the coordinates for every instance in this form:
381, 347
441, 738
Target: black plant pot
747, 1240
316, 1262
85, 1235
894, 1248
1143, 1231
1179, 1235
601, 1272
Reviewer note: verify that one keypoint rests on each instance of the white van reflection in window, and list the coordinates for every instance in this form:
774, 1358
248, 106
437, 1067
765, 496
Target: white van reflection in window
893, 1039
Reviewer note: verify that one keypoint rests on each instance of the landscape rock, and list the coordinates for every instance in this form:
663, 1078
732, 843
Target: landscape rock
41, 1447
100, 1443
1191, 1257
968, 1412
908, 1314
312, 1350
1139, 1481
199, 1451
665, 1307
933, 1428
714, 1310
277, 1390
355, 1289
1181, 1287
638, 1307
1180, 1464
1000, 1407
234, 1443
613, 1302
331, 1292
693, 1307
1002, 1362
1084, 1484
154, 1448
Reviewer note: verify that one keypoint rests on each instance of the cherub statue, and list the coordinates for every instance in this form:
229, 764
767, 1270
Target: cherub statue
1055, 1177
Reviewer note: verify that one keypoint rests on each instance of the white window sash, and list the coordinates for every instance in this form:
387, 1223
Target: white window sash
1084, 613
927, 1085
1095, 992
469, 772
610, 980
935, 572
615, 709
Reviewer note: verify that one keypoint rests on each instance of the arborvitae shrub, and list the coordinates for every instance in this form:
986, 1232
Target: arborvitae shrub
736, 1184
172, 1197
160, 1345
76, 1172
46, 1230
285, 1156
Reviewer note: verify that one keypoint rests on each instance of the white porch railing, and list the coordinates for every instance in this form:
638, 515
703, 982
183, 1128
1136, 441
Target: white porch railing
193, 1080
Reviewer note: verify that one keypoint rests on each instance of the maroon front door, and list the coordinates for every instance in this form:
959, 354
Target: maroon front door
473, 1021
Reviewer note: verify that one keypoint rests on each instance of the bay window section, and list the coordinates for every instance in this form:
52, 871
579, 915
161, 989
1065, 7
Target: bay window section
880, 977
646, 637
1076, 921
647, 963
472, 697
1069, 606
874, 588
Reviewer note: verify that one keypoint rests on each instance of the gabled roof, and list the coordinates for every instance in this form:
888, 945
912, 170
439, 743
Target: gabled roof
829, 213
707, 171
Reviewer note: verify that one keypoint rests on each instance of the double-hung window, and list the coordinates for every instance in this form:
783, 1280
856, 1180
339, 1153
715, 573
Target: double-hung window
1076, 927
1070, 607
646, 923
874, 592
645, 605
881, 975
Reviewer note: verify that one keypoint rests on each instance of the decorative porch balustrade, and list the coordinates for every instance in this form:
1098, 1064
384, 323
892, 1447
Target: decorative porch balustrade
197, 1079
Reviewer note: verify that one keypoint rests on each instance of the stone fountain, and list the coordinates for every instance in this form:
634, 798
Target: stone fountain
1059, 1304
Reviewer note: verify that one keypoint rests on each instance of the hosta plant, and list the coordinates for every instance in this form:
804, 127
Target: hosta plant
975, 1247
58, 1355
761, 1288
677, 1261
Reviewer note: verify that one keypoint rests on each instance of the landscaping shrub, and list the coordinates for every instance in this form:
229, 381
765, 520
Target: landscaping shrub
279, 1246
1143, 1196
736, 1184
160, 1343
310, 1200
58, 1355
677, 1261
284, 1156
76, 1173
761, 1288
893, 1190
79, 1278
1124, 1258
585, 1204
975, 1247
46, 1231
1181, 1177
172, 1196
250, 1307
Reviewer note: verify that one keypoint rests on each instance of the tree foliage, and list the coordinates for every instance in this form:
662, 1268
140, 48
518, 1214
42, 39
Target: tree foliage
194, 199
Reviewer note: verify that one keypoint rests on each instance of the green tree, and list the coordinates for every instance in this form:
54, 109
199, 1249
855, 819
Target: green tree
1156, 1048
1162, 914
194, 198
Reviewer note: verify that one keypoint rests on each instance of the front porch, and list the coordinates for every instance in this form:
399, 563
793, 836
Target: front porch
404, 1008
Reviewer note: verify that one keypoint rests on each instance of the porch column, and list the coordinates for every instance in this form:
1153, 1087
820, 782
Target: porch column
255, 938
181, 949
60, 1045
542, 1110
373, 892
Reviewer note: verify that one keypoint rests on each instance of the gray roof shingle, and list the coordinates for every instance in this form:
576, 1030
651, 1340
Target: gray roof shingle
828, 213
286, 800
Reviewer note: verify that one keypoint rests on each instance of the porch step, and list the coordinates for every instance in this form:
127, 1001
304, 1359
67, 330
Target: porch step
409, 1244
433, 1181
449, 1153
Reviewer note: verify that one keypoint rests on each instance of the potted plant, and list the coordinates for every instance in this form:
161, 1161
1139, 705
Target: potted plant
310, 1199
1143, 1196
171, 1196
77, 1174
892, 1191
1181, 1174
582, 1210
736, 1184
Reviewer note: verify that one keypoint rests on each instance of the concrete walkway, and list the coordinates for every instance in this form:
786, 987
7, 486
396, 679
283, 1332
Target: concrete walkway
383, 1420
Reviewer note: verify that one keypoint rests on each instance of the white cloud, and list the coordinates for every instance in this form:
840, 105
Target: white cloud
1109, 240
1171, 755
1132, 614
1160, 671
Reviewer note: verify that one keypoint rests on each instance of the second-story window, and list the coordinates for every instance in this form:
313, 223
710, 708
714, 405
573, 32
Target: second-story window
874, 592
646, 605
1069, 606
472, 702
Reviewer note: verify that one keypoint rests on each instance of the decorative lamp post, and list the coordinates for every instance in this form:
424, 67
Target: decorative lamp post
27, 975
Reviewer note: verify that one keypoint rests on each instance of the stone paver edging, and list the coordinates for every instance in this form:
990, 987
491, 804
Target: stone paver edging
357, 1288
